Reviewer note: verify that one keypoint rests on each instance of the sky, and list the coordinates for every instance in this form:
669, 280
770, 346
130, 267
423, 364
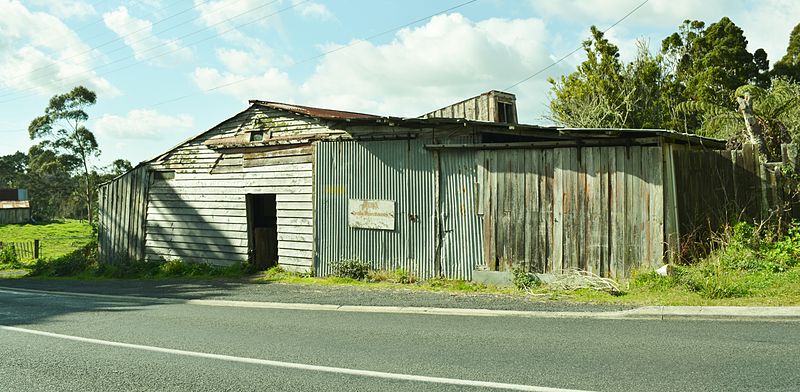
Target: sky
164, 70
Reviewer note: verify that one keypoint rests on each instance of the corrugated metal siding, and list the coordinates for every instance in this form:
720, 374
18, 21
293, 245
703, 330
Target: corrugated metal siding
462, 239
401, 171
405, 172
122, 216
14, 215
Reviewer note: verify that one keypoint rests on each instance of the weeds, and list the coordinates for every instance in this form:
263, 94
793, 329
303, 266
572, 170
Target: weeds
525, 280
351, 268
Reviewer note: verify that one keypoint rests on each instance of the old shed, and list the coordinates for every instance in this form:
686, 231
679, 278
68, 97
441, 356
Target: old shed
14, 206
461, 188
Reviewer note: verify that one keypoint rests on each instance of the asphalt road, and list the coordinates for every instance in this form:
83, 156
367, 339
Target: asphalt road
129, 344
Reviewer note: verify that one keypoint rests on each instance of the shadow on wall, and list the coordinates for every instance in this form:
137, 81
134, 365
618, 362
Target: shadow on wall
196, 221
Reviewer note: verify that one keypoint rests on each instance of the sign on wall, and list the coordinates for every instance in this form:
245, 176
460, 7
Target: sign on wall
371, 214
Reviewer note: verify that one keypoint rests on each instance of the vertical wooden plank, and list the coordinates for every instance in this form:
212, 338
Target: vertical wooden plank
558, 212
634, 200
592, 215
503, 211
491, 220
606, 160
518, 228
546, 209
585, 168
617, 177
658, 241
531, 200
670, 207
567, 208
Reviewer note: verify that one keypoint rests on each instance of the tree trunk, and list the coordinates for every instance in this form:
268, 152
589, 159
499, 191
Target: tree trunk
755, 134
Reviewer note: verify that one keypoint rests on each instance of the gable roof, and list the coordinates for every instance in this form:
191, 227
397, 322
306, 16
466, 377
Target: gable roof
325, 114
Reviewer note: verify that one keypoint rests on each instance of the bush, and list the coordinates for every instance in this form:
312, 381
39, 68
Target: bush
351, 269
525, 280
74, 263
8, 255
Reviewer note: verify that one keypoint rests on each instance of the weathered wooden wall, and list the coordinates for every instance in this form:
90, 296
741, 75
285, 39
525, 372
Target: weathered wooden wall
714, 187
121, 219
14, 215
598, 209
201, 213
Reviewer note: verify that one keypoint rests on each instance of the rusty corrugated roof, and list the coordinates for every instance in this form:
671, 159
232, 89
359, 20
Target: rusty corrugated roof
15, 204
327, 114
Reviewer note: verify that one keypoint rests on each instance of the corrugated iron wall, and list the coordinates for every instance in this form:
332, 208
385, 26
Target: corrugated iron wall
122, 216
462, 239
404, 172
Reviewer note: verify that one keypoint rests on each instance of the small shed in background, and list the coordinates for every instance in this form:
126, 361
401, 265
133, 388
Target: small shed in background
462, 188
15, 207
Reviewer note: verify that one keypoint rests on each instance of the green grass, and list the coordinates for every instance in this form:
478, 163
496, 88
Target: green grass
49, 234
386, 280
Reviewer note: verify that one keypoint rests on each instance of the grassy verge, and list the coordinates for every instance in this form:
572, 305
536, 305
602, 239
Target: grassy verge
83, 264
57, 238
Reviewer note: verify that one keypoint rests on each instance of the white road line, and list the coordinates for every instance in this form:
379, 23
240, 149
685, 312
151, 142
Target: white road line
292, 365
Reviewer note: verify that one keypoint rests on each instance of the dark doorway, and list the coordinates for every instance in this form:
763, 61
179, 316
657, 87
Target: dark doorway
262, 227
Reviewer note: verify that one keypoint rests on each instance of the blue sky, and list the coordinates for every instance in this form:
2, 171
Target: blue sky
166, 70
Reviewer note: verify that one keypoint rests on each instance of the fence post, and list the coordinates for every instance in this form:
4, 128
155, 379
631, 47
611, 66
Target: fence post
35, 249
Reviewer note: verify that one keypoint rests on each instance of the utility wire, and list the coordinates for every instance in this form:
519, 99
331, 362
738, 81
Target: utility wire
294, 5
353, 43
576, 49
119, 38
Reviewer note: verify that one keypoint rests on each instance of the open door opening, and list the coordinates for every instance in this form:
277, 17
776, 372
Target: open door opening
262, 227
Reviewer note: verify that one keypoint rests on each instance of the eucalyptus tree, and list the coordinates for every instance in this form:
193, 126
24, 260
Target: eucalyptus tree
62, 130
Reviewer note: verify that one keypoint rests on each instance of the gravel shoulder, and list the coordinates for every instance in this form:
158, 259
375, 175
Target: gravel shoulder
298, 293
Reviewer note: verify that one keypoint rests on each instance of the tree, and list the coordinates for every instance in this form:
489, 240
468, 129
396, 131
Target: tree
50, 183
711, 63
13, 168
603, 92
764, 117
62, 130
789, 65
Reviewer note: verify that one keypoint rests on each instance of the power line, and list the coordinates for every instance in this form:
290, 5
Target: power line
353, 43
119, 38
294, 5
576, 49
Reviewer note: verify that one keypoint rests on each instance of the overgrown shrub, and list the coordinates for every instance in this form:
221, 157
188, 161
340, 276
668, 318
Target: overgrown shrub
525, 280
8, 255
74, 263
351, 268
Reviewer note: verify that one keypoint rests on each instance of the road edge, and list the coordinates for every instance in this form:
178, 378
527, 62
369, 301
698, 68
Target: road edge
732, 313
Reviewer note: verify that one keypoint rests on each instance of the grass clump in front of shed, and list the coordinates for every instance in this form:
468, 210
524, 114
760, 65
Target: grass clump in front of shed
83, 264
749, 264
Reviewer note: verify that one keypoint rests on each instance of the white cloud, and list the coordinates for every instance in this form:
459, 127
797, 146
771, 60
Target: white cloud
141, 124
448, 59
663, 13
67, 8
40, 54
313, 9
271, 84
138, 35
